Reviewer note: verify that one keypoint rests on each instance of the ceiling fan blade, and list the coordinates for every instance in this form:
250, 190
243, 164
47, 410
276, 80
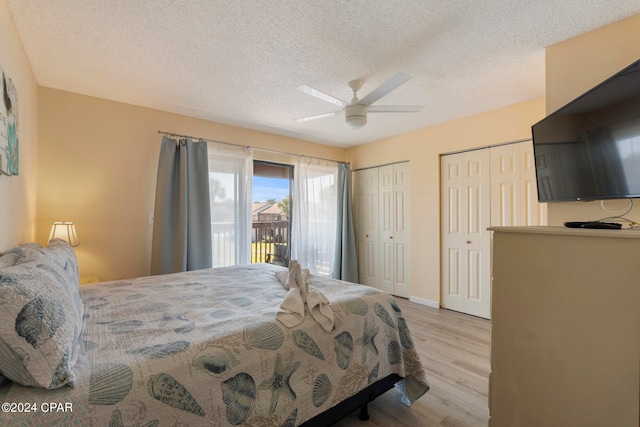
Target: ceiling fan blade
317, 116
384, 88
322, 95
395, 108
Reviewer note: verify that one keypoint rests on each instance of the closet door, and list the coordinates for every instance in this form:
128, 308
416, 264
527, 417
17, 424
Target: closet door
393, 188
401, 235
491, 186
466, 243
365, 207
514, 197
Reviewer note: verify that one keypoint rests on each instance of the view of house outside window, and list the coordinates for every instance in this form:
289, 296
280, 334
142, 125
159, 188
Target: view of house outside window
270, 214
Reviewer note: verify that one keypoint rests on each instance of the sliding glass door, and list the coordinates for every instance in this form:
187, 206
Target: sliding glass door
271, 212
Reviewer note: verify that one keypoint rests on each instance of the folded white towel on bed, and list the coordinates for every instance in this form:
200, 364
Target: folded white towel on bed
297, 278
292, 278
291, 312
320, 309
283, 277
303, 282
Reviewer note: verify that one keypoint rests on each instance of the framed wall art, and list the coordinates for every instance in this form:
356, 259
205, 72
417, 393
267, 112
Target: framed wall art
9, 148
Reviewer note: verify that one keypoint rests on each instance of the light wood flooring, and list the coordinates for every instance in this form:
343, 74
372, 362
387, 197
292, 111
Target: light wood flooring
454, 350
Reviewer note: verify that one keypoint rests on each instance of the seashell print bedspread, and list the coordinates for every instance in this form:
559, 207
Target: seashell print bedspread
204, 348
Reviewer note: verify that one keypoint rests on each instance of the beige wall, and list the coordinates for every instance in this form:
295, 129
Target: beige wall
18, 193
98, 160
423, 148
97, 167
572, 68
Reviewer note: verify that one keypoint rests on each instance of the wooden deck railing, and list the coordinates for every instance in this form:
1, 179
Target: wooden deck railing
269, 241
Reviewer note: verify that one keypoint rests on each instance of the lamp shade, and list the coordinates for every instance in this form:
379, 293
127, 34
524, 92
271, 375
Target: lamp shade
66, 231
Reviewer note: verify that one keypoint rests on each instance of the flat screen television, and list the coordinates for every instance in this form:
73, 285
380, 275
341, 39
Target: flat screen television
590, 148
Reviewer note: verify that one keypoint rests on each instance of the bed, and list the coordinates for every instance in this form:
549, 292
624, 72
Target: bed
194, 348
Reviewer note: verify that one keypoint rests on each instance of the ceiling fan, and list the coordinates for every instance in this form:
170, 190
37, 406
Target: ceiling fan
355, 113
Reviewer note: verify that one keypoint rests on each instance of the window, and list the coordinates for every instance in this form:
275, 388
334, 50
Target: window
271, 218
314, 234
230, 194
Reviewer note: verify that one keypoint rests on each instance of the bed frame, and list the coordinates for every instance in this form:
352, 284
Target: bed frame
359, 400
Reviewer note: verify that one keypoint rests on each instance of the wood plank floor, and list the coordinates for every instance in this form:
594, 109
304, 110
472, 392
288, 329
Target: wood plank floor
454, 350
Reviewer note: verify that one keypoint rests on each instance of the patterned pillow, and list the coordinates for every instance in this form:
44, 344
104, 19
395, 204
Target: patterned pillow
10, 257
40, 317
62, 254
33, 245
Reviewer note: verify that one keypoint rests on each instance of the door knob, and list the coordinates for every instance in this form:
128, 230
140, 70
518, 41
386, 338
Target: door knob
468, 242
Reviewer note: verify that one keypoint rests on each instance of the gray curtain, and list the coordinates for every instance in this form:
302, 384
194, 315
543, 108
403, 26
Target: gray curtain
182, 215
346, 262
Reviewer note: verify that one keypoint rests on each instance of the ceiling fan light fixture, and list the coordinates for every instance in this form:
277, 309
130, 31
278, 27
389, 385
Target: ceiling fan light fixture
355, 116
355, 113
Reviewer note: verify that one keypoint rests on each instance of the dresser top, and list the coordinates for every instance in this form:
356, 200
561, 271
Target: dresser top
591, 232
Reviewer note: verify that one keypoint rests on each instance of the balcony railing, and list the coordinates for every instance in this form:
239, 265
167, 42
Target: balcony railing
270, 242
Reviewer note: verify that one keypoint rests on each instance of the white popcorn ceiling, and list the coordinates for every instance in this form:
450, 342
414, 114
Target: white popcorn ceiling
240, 62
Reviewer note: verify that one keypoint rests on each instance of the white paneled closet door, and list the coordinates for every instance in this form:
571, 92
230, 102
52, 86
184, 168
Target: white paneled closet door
466, 242
514, 197
381, 216
365, 201
493, 186
394, 237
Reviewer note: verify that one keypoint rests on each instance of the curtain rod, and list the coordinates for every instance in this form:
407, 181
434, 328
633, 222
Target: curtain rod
248, 146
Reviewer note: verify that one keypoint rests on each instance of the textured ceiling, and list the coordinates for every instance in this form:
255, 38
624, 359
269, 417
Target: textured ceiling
240, 62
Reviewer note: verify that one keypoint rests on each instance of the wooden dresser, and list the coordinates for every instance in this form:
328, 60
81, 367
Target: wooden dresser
565, 335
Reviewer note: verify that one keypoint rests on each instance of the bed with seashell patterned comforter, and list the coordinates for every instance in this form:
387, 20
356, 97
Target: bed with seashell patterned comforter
205, 348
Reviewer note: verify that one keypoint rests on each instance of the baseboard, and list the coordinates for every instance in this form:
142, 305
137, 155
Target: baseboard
427, 302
